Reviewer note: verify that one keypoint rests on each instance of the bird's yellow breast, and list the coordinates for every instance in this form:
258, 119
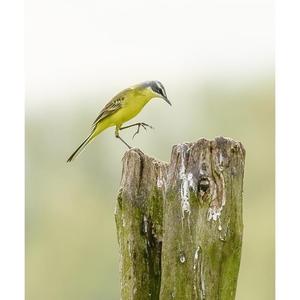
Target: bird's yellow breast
132, 104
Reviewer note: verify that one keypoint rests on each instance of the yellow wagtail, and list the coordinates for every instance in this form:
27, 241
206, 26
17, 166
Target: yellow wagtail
123, 107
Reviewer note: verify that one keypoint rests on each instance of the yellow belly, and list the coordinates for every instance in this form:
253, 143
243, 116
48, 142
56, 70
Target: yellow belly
131, 107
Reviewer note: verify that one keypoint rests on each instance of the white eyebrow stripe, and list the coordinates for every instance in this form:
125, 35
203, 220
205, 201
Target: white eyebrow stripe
160, 85
162, 88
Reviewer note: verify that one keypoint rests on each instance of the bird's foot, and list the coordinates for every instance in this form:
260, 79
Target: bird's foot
139, 125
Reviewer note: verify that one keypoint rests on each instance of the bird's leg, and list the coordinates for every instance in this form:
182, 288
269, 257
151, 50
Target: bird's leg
118, 137
144, 125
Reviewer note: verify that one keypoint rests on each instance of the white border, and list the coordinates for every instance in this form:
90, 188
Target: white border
12, 150
287, 149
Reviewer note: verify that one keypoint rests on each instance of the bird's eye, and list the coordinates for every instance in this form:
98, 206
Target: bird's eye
159, 91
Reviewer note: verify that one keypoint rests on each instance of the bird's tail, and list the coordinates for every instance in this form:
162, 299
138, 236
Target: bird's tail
81, 147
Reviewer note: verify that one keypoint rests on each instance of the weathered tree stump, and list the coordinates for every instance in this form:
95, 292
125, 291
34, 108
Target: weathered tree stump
180, 225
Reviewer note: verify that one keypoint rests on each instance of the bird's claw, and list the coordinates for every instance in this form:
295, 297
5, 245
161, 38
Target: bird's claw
144, 125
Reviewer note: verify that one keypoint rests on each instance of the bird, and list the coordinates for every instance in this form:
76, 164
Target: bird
121, 108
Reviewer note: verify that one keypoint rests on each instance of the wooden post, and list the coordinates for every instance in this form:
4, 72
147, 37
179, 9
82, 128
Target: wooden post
180, 225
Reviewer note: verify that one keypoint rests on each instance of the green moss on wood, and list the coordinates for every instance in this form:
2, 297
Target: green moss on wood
180, 225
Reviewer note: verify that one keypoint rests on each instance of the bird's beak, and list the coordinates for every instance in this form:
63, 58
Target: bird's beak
167, 100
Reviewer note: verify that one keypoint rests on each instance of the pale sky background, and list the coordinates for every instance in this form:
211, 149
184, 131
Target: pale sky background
86, 46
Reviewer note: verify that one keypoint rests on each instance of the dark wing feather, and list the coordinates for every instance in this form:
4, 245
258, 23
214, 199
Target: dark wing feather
111, 107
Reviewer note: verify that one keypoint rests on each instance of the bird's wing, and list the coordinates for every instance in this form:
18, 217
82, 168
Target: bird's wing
111, 107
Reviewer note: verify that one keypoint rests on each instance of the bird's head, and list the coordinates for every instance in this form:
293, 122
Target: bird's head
156, 90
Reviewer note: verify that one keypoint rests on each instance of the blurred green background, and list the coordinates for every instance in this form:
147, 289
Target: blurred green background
71, 245
215, 59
